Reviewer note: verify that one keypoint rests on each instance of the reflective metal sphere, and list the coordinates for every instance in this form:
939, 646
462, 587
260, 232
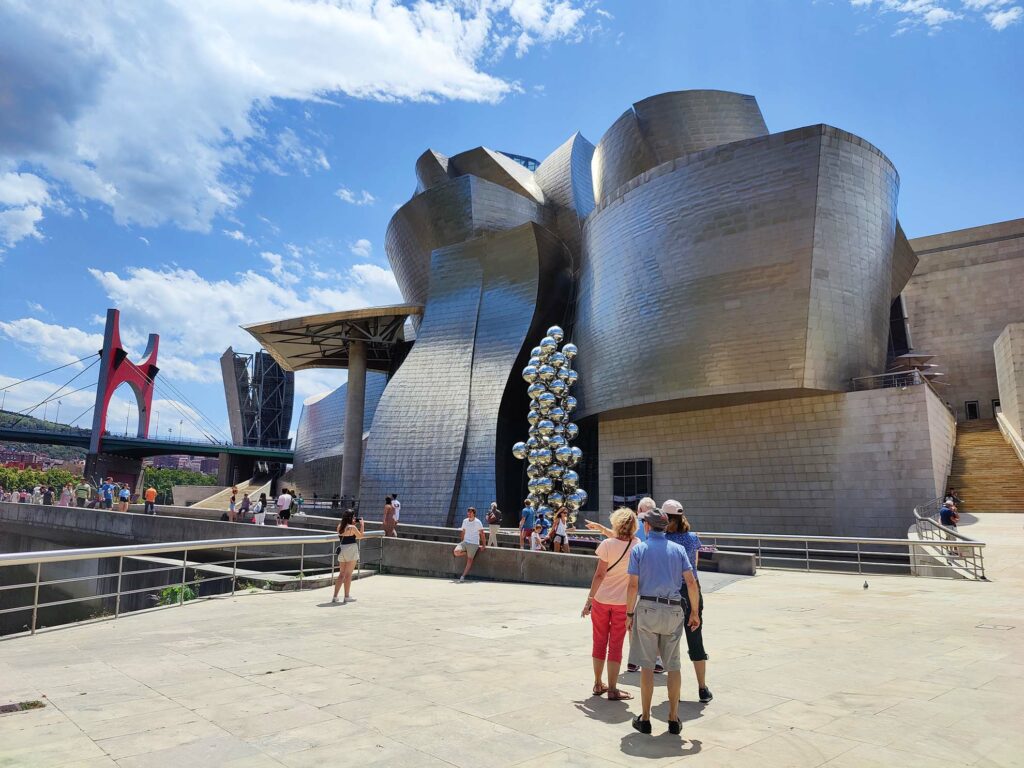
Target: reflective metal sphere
559, 429
546, 427
534, 361
556, 332
570, 351
532, 444
532, 484
546, 373
533, 417
545, 484
558, 387
569, 404
563, 454
535, 470
563, 374
519, 450
536, 389
548, 345
555, 470
558, 360
544, 510
530, 374
572, 377
536, 352
556, 441
556, 499
583, 496
575, 500
543, 456
570, 479
577, 452
556, 414
546, 402
571, 430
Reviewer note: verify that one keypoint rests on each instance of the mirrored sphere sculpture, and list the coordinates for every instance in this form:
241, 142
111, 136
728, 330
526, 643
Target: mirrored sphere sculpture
550, 375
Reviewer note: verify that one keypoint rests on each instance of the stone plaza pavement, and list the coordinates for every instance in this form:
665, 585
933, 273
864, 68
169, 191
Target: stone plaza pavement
807, 669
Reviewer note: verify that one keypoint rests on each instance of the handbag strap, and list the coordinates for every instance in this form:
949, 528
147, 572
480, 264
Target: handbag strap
624, 553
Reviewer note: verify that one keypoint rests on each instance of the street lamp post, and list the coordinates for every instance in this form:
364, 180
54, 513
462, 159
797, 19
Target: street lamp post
180, 422
126, 418
157, 430
57, 417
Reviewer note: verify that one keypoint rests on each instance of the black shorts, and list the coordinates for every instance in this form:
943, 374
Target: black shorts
694, 637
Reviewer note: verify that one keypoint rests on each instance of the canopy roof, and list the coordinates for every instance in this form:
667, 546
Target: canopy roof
322, 341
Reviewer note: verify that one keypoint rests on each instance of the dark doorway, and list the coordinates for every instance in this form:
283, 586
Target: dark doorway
971, 407
996, 407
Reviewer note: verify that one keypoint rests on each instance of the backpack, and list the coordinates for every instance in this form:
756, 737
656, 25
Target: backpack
494, 517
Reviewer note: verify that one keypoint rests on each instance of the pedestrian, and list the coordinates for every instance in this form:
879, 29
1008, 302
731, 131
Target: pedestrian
231, 508
124, 497
606, 603
537, 538
67, 493
348, 553
299, 501
83, 491
654, 615
949, 517
679, 531
259, 512
560, 530
244, 506
389, 517
526, 521
107, 491
284, 507
493, 524
398, 510
47, 494
472, 541
149, 497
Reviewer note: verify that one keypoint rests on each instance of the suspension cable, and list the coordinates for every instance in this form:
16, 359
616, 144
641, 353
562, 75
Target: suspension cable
24, 415
52, 370
179, 395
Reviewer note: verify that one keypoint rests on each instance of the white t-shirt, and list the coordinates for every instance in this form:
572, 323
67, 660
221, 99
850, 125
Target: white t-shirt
471, 530
560, 529
536, 542
284, 501
397, 505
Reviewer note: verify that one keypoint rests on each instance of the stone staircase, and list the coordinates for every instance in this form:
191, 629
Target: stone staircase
986, 472
220, 499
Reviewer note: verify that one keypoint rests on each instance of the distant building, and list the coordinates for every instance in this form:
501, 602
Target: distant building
209, 466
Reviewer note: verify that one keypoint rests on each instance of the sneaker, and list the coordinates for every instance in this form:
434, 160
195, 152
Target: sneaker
632, 668
644, 726
334, 599
658, 669
675, 727
705, 695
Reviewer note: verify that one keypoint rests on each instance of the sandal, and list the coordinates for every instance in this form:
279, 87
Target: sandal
614, 694
600, 689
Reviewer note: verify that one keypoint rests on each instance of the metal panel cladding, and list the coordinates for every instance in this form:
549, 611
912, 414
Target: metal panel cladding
760, 265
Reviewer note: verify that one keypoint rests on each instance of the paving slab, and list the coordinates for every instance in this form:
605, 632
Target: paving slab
808, 669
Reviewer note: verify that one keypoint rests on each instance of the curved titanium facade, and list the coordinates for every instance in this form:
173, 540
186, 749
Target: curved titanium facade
762, 266
670, 125
320, 437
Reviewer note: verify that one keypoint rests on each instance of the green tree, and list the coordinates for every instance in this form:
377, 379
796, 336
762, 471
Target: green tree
164, 479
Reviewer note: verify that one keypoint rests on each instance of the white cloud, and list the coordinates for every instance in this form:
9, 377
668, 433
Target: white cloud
22, 197
361, 248
18, 189
346, 195
55, 343
933, 15
19, 223
144, 239
237, 234
35, 306
278, 268
156, 109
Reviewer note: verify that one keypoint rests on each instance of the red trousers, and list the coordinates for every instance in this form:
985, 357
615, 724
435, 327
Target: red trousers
609, 630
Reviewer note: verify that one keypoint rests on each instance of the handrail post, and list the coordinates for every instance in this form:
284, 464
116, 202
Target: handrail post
807, 554
117, 600
302, 564
859, 567
184, 570
35, 599
234, 571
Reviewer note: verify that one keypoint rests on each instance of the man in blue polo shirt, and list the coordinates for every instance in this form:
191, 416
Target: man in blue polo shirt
654, 614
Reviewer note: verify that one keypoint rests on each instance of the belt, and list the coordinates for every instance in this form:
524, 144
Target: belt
662, 600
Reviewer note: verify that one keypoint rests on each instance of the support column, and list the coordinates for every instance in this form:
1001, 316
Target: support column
355, 401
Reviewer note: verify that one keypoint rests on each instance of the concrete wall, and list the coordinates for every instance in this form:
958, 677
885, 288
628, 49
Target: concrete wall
186, 495
838, 464
1009, 356
967, 287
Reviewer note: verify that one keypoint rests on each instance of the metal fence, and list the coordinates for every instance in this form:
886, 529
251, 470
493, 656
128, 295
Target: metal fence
945, 548
115, 573
888, 380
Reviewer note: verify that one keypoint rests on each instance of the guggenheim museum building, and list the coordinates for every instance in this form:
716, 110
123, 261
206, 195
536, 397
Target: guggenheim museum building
740, 303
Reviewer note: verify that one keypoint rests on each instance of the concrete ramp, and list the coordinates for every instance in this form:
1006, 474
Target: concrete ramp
221, 499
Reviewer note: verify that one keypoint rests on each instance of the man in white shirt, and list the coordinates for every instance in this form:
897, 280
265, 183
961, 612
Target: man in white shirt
284, 506
472, 540
397, 505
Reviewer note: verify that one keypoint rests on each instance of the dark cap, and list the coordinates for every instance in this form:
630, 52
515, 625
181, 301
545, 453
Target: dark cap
655, 518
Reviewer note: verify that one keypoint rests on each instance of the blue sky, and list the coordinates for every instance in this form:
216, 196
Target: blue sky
200, 170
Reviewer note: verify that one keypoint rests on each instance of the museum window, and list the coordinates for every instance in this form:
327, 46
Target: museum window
631, 481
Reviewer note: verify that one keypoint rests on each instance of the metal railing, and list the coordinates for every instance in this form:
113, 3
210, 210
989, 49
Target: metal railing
944, 548
888, 380
316, 556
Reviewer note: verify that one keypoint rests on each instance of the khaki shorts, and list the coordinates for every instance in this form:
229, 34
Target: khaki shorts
469, 548
348, 553
657, 631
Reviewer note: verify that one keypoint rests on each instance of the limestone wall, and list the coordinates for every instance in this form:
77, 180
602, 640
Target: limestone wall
838, 464
1009, 357
966, 288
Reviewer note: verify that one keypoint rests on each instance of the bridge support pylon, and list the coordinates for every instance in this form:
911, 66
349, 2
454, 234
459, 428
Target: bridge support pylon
116, 369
